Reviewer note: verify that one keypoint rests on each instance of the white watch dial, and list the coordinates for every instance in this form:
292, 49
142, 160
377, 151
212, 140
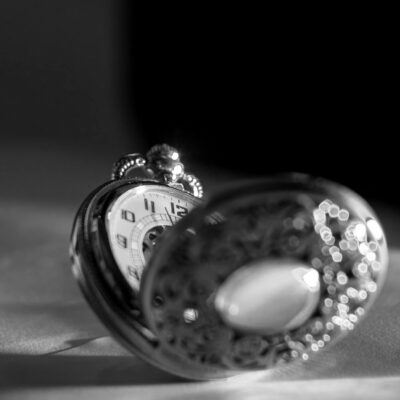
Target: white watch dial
135, 221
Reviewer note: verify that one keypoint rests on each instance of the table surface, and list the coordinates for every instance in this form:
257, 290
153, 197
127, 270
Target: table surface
53, 346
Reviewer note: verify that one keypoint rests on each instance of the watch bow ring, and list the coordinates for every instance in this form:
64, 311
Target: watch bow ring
261, 274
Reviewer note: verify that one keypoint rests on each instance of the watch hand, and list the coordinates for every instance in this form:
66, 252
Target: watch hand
169, 216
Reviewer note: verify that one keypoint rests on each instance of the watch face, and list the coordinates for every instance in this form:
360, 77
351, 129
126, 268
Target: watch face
136, 220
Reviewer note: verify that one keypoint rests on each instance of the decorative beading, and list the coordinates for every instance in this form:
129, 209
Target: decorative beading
162, 163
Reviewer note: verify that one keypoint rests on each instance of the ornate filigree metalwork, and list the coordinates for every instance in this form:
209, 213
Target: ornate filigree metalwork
340, 239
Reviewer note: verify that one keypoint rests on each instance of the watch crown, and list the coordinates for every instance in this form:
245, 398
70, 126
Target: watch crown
164, 162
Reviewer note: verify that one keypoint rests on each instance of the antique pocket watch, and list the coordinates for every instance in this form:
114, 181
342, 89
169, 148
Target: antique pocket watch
262, 274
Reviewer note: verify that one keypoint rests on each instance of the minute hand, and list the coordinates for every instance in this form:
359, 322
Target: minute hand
169, 216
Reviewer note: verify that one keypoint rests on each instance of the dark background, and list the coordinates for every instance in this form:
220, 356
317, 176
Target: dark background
251, 91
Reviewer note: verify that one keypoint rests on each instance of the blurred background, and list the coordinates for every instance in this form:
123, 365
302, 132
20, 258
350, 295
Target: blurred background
238, 90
